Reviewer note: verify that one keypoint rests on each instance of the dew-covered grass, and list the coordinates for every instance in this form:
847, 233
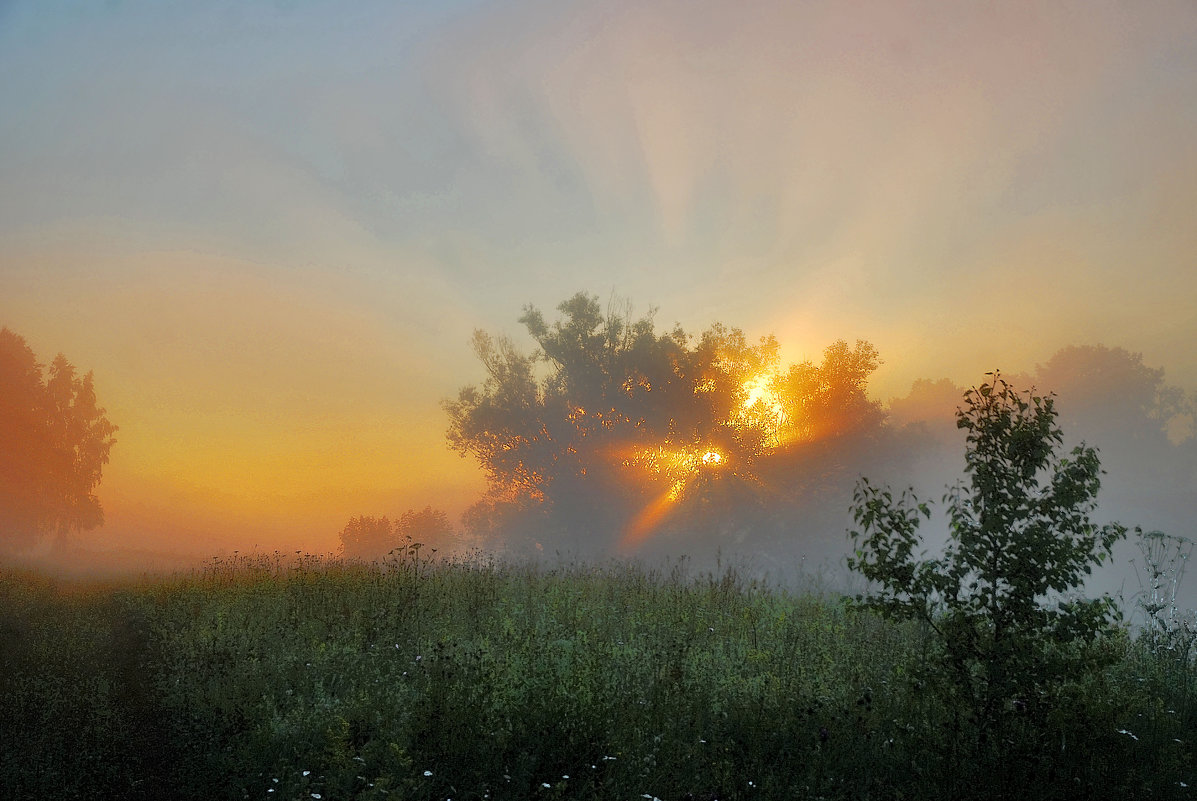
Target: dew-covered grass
299, 678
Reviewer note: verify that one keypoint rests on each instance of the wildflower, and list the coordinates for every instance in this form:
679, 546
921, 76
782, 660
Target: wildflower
566, 776
306, 772
427, 773
545, 785
316, 796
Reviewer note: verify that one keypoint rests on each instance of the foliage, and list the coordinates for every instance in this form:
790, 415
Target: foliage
54, 442
822, 400
608, 417
1020, 540
423, 679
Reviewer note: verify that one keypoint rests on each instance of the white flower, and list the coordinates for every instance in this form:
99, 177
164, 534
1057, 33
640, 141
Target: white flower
306, 772
546, 785
427, 773
316, 796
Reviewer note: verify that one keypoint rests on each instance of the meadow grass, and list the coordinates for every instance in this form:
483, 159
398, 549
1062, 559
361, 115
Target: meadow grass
300, 678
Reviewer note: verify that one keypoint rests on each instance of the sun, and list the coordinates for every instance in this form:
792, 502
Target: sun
678, 468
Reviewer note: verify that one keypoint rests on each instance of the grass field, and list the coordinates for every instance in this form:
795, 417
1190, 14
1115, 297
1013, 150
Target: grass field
275, 677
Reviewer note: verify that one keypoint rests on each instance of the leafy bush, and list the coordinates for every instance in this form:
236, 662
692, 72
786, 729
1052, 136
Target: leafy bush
1008, 632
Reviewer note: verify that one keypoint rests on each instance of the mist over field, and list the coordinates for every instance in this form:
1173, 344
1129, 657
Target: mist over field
282, 238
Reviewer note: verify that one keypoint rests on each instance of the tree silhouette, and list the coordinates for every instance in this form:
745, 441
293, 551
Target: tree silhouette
54, 442
1143, 425
427, 528
608, 419
367, 538
1110, 391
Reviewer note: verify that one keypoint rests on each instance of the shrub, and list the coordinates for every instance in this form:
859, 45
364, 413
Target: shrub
1006, 628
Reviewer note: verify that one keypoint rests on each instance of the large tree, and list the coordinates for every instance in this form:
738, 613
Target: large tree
54, 443
608, 419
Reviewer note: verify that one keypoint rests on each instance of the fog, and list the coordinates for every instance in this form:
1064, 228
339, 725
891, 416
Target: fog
783, 518
270, 232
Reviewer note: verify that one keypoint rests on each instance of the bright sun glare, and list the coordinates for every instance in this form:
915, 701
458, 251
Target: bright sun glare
679, 467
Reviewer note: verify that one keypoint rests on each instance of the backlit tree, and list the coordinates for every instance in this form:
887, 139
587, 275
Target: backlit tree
608, 419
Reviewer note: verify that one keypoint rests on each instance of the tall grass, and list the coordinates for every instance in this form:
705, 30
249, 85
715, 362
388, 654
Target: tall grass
298, 678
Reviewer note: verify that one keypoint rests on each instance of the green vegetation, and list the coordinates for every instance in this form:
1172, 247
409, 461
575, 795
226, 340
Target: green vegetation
295, 678
1008, 635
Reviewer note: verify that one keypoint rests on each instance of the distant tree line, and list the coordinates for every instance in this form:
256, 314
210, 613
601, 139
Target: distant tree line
369, 538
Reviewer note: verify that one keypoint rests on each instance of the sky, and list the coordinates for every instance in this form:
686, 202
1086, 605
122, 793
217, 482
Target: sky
271, 228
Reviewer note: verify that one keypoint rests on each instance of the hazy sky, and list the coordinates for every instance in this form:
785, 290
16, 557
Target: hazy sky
270, 228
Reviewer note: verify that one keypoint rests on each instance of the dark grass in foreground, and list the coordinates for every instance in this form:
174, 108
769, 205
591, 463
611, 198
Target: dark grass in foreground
273, 678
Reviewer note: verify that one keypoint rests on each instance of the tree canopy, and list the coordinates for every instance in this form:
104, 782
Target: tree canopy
609, 418
54, 443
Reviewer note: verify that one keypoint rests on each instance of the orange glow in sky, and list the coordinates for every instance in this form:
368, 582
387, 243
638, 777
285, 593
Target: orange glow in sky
271, 229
